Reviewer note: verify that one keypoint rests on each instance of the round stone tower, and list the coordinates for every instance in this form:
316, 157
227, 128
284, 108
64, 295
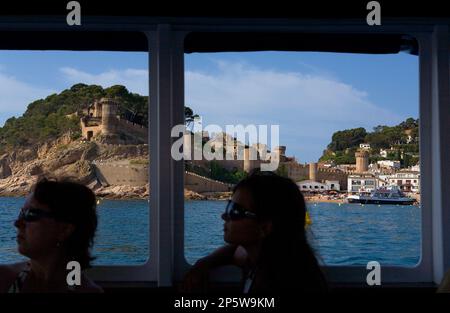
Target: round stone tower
188, 146
313, 171
250, 155
280, 152
362, 161
97, 109
109, 116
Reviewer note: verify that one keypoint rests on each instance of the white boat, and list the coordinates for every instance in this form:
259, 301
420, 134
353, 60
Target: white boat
390, 195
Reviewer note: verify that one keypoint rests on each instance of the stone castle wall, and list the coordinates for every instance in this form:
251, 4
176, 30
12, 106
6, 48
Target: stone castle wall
231, 164
133, 129
94, 129
111, 173
298, 172
201, 184
116, 173
324, 174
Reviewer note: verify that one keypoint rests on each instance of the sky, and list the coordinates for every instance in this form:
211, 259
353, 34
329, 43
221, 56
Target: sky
309, 95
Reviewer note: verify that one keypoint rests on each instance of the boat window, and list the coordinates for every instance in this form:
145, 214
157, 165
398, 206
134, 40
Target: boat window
82, 114
326, 105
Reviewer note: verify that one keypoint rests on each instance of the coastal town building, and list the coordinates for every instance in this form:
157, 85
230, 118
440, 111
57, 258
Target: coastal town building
333, 184
314, 186
361, 183
383, 180
386, 152
389, 164
415, 168
407, 181
310, 185
409, 136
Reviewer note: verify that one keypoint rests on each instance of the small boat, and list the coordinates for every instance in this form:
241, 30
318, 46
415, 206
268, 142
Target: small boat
390, 195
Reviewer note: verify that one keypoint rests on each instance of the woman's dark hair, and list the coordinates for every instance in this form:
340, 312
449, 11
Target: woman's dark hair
286, 258
75, 204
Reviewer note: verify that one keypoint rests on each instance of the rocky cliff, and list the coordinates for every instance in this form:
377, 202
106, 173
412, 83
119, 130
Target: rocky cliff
77, 159
63, 157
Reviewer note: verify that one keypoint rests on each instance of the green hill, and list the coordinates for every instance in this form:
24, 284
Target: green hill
49, 118
404, 138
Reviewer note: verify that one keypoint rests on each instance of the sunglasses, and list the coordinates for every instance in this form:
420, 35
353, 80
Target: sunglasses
234, 212
32, 215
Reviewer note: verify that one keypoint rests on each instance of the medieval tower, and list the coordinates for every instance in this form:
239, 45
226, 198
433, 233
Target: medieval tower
362, 161
109, 116
250, 157
313, 171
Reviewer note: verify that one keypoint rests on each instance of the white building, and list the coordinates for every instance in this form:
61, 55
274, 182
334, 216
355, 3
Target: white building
361, 183
310, 185
389, 164
409, 139
384, 152
333, 185
383, 180
408, 181
415, 168
364, 146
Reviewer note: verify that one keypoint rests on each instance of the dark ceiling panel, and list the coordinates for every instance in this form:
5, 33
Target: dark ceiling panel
73, 40
348, 43
230, 8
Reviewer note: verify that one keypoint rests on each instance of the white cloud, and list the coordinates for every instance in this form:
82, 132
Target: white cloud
136, 80
16, 95
308, 108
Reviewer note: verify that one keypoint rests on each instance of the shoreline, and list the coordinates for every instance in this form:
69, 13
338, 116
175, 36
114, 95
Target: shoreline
190, 195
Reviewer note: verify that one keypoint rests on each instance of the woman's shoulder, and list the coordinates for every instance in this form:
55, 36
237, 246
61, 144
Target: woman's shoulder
8, 273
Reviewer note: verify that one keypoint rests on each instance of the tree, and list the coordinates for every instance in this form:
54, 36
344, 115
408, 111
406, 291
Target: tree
348, 138
189, 118
222, 174
282, 170
409, 123
379, 128
378, 140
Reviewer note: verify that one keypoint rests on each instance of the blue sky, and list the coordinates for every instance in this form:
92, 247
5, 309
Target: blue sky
309, 94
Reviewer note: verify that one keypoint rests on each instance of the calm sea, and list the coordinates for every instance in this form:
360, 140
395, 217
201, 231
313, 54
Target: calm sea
347, 234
